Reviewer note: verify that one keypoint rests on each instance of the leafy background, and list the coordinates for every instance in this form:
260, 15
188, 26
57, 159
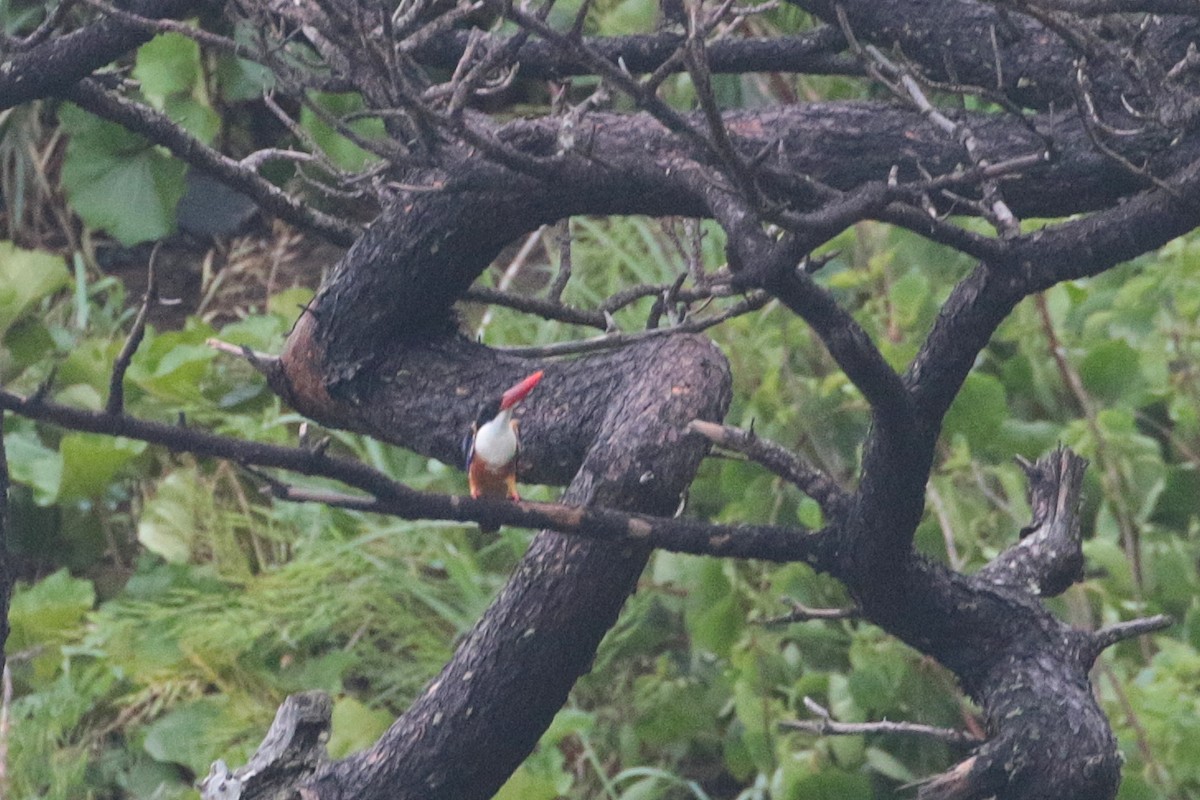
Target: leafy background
166, 608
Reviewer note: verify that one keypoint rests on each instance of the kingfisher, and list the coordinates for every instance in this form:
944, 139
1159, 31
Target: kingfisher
492, 446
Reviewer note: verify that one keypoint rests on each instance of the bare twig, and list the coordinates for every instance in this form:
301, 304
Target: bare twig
1094, 126
995, 208
826, 725
775, 457
943, 518
562, 237
802, 613
193, 32
53, 19
510, 273
546, 309
696, 59
1119, 632
751, 302
116, 383
679, 534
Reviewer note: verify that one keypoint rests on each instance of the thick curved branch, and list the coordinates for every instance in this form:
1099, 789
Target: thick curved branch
968, 43
1098, 7
818, 52
1026, 668
841, 145
621, 433
56, 64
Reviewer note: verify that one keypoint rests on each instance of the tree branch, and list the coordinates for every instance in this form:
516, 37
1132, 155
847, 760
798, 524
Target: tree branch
787, 465
814, 53
116, 382
1119, 632
826, 725
386, 496
1049, 556
53, 66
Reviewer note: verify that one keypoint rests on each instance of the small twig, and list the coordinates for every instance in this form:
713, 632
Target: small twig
546, 309
42, 31
193, 32
260, 157
943, 518
696, 60
1134, 723
826, 725
1092, 125
644, 96
1119, 632
263, 362
510, 273
116, 383
752, 302
802, 613
779, 460
562, 237
995, 208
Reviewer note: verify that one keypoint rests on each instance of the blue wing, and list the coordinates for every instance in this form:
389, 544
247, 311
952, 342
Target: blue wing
468, 449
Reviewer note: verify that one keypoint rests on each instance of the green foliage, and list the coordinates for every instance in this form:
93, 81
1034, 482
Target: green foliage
344, 153
117, 181
170, 70
174, 606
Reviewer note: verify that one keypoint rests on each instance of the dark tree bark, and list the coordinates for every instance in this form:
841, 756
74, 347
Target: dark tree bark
54, 66
1100, 117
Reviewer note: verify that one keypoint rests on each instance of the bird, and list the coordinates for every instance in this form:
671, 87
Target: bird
492, 446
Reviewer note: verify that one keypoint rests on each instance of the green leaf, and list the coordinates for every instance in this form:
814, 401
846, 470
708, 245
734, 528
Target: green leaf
26, 278
33, 464
169, 522
1177, 504
91, 461
629, 16
171, 365
525, 785
341, 151
117, 181
355, 727
196, 117
910, 296
167, 64
242, 80
1111, 372
978, 412
190, 734
834, 784
48, 611
886, 764
714, 617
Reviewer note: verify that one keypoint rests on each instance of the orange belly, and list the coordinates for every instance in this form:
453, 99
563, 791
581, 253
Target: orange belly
486, 482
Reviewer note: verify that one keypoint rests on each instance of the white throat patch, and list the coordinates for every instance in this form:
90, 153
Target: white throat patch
496, 441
